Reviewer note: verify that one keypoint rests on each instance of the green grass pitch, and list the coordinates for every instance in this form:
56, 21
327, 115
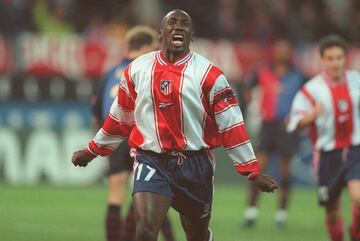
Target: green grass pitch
47, 213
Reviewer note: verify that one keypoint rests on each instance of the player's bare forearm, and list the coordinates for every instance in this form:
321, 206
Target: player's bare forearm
306, 121
311, 117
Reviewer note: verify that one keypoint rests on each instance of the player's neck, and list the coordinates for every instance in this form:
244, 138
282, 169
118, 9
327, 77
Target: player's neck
335, 77
281, 68
172, 56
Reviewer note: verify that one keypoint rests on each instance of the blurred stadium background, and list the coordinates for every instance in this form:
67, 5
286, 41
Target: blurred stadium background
53, 52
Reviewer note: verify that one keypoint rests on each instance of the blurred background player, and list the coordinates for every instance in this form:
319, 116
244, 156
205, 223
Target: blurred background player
330, 105
278, 83
139, 40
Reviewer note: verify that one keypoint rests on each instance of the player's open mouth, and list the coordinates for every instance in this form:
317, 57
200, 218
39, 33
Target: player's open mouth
178, 40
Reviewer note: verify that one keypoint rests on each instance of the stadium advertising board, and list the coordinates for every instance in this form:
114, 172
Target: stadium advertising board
37, 141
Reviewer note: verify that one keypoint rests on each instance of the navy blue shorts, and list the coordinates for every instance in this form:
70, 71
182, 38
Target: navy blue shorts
336, 168
120, 160
188, 181
274, 139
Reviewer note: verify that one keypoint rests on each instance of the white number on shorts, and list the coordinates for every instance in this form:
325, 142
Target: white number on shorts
148, 176
139, 169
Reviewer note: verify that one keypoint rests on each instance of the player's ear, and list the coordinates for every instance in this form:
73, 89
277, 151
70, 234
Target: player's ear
160, 35
192, 37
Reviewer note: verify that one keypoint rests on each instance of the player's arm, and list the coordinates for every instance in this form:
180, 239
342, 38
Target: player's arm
234, 136
310, 118
304, 111
115, 129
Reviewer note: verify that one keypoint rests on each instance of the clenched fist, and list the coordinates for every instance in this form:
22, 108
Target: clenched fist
265, 183
81, 158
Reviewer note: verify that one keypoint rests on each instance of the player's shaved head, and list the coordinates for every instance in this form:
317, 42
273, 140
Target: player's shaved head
176, 34
174, 11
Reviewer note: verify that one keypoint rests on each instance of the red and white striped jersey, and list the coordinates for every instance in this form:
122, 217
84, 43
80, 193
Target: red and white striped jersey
338, 126
183, 106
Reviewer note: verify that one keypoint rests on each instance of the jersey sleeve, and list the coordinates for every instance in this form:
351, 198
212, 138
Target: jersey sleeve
302, 105
118, 123
232, 131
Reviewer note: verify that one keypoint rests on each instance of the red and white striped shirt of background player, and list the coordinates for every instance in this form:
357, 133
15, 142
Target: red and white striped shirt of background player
183, 106
338, 126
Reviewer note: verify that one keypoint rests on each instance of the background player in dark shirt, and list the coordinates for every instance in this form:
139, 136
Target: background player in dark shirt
278, 83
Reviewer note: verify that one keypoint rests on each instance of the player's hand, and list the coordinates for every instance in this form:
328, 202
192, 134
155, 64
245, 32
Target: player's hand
265, 183
312, 116
81, 158
318, 109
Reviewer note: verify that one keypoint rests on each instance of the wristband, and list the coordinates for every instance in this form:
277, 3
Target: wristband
90, 153
252, 175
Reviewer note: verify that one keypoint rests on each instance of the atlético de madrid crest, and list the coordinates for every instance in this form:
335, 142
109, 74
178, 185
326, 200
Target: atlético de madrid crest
165, 87
342, 105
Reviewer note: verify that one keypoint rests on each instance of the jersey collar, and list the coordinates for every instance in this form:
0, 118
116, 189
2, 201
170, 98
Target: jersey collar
185, 58
331, 82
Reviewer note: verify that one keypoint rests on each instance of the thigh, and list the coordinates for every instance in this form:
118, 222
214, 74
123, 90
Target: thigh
150, 210
118, 184
195, 229
354, 191
284, 167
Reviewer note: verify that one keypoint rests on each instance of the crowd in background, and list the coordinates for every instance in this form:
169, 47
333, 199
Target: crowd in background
251, 20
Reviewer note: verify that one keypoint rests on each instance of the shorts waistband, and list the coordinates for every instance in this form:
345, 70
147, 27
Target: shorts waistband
340, 149
173, 154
